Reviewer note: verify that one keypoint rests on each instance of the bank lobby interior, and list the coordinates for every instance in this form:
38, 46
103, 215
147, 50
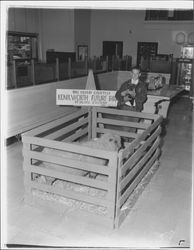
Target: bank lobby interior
51, 48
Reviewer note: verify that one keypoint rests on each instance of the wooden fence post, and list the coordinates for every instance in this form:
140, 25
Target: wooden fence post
14, 75
27, 174
94, 63
89, 63
32, 72
107, 63
119, 63
69, 67
112, 63
57, 69
126, 63
86, 65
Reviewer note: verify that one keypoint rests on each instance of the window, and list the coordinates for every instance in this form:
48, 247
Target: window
175, 15
156, 15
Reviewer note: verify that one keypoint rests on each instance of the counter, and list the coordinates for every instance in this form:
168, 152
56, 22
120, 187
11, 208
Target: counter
159, 100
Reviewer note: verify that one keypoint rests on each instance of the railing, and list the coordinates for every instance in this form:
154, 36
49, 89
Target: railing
28, 74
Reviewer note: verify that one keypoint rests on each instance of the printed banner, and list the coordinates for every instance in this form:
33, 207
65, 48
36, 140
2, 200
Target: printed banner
84, 97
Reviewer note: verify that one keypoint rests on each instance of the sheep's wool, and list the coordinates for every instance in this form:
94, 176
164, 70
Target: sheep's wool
106, 142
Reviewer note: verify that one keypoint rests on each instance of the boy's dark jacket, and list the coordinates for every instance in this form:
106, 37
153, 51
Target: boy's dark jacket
140, 94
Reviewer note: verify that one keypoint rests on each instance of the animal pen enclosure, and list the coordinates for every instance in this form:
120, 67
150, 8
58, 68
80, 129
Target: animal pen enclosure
62, 170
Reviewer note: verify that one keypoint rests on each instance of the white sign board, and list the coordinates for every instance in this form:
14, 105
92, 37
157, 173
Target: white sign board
84, 97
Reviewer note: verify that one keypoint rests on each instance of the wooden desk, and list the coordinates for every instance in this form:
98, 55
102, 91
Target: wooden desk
159, 100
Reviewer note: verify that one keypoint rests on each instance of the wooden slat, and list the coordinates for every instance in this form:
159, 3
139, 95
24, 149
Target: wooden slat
127, 113
73, 163
26, 161
69, 68
125, 196
77, 135
136, 168
63, 131
32, 72
89, 124
122, 214
123, 123
70, 194
55, 123
134, 158
14, 74
69, 147
94, 117
150, 128
69, 177
101, 125
57, 69
112, 185
116, 132
140, 138
117, 209
27, 175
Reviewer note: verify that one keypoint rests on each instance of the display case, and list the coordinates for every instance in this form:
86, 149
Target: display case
22, 46
161, 63
185, 67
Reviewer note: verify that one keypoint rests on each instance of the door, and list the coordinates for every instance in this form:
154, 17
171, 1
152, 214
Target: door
112, 48
144, 51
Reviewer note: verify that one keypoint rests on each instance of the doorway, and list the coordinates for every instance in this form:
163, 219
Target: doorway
112, 48
144, 52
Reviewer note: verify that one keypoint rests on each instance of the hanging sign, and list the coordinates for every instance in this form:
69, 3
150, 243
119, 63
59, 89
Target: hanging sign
84, 97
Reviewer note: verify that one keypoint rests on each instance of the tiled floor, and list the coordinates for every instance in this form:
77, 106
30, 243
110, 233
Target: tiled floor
160, 218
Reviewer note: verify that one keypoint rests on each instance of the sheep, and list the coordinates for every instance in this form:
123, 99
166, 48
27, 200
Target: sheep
108, 142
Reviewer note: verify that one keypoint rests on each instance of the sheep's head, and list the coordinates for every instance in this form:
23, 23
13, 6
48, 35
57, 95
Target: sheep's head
113, 141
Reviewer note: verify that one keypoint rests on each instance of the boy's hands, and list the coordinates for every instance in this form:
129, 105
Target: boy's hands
132, 93
128, 94
127, 98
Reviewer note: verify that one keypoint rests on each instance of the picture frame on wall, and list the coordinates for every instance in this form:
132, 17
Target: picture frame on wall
82, 52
